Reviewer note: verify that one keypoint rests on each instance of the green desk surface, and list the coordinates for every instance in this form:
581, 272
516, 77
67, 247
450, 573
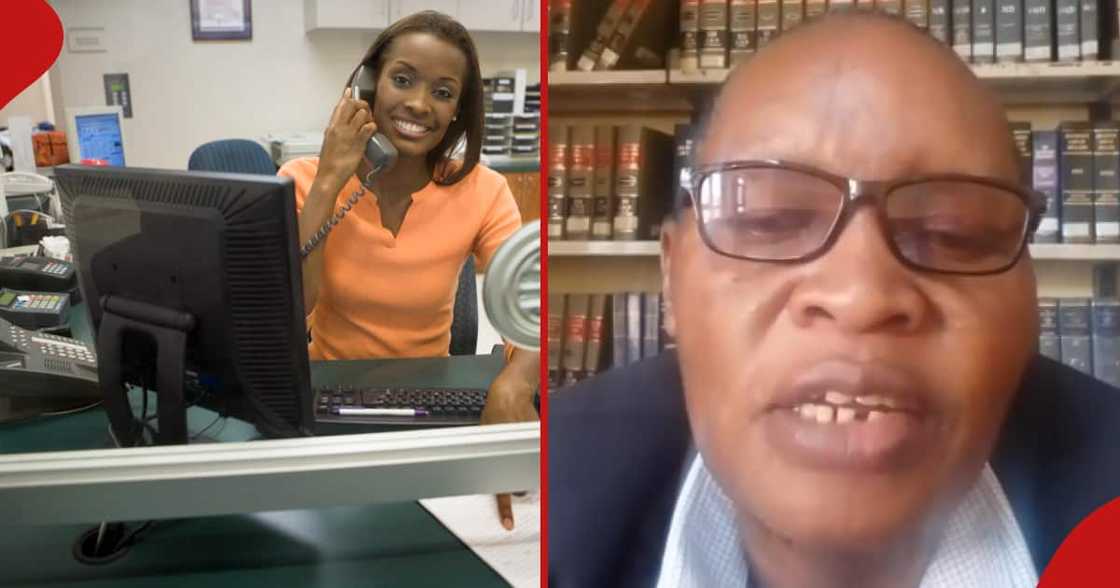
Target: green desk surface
377, 545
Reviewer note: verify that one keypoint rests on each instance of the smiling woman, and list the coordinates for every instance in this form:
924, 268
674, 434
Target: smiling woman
382, 282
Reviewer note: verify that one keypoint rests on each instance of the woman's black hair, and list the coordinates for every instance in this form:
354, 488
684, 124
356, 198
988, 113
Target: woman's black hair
469, 118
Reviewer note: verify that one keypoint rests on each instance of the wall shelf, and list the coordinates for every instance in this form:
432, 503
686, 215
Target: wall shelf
1043, 252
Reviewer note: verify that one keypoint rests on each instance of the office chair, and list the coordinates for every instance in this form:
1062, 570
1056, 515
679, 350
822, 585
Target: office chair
232, 155
464, 321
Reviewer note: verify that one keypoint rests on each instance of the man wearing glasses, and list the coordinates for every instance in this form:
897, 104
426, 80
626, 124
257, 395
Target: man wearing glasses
857, 399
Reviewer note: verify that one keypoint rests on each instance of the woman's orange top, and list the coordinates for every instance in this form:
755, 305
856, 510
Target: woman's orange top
386, 296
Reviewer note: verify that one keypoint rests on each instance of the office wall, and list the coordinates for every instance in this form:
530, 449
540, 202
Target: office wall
186, 93
32, 102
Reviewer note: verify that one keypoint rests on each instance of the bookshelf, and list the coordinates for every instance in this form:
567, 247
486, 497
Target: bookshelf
1039, 251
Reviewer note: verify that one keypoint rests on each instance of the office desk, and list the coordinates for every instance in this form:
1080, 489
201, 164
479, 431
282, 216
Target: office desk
384, 545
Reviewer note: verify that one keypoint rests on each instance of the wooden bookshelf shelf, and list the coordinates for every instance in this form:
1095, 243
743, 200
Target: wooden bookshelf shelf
559, 79
1044, 252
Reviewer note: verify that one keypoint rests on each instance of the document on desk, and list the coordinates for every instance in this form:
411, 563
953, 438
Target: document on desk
516, 554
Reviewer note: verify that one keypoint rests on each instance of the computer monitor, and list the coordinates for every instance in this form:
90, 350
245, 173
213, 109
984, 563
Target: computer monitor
192, 273
95, 133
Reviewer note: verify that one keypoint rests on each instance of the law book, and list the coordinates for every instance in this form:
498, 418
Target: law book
792, 13
607, 24
917, 12
1038, 30
713, 34
1075, 164
593, 357
577, 224
559, 34
555, 336
889, 6
1021, 133
741, 21
1009, 30
1106, 182
602, 189
575, 338
815, 8
651, 327
557, 179
642, 182
642, 37
1045, 180
633, 326
961, 22
689, 40
1049, 343
1074, 329
682, 160
1067, 25
1089, 31
619, 326
983, 31
939, 12
1106, 340
769, 13
664, 339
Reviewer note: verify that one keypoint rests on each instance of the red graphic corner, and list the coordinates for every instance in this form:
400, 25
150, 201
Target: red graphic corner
32, 29
1088, 556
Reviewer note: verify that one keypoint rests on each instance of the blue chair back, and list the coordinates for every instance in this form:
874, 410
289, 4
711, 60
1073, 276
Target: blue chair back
232, 155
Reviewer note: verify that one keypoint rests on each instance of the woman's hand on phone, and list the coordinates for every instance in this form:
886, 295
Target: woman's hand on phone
344, 142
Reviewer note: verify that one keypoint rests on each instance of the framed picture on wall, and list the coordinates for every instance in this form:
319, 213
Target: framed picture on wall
221, 20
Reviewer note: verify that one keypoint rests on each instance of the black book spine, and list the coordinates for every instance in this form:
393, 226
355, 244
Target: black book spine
682, 158
1021, 132
1067, 23
1106, 341
1075, 160
962, 28
689, 34
983, 31
1045, 167
1075, 331
1090, 30
939, 12
1038, 30
1049, 343
1009, 30
1106, 182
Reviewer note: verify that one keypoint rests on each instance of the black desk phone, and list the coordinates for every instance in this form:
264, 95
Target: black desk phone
41, 274
34, 310
45, 367
380, 154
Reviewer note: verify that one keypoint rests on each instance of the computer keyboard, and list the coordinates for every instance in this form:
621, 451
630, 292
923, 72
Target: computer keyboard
397, 405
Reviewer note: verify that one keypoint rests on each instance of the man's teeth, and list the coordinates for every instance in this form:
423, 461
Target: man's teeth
826, 414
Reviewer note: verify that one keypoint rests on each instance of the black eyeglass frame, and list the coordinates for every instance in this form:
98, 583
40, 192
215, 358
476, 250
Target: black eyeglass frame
854, 191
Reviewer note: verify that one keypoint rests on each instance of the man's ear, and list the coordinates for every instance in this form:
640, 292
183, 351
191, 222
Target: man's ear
668, 230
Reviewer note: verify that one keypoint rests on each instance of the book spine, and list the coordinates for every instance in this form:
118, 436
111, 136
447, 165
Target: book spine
962, 28
1066, 25
983, 31
577, 225
602, 189
939, 21
1075, 160
769, 13
633, 326
741, 22
840, 4
1021, 133
651, 305
713, 34
559, 34
627, 170
575, 338
917, 12
590, 56
1089, 33
1009, 30
664, 339
1038, 35
613, 49
1045, 180
682, 157
1106, 341
1075, 332
593, 357
815, 8
1049, 343
1106, 182
690, 35
793, 12
557, 179
555, 336
619, 325
890, 6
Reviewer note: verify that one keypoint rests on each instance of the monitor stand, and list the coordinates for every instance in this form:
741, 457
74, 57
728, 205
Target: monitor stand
131, 335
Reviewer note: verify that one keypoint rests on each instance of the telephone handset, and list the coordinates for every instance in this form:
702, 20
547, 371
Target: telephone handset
380, 154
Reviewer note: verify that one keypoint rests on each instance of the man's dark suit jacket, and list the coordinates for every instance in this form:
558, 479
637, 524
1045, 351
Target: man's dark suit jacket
618, 446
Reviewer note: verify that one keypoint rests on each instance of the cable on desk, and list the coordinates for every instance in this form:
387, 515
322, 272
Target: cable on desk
71, 410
